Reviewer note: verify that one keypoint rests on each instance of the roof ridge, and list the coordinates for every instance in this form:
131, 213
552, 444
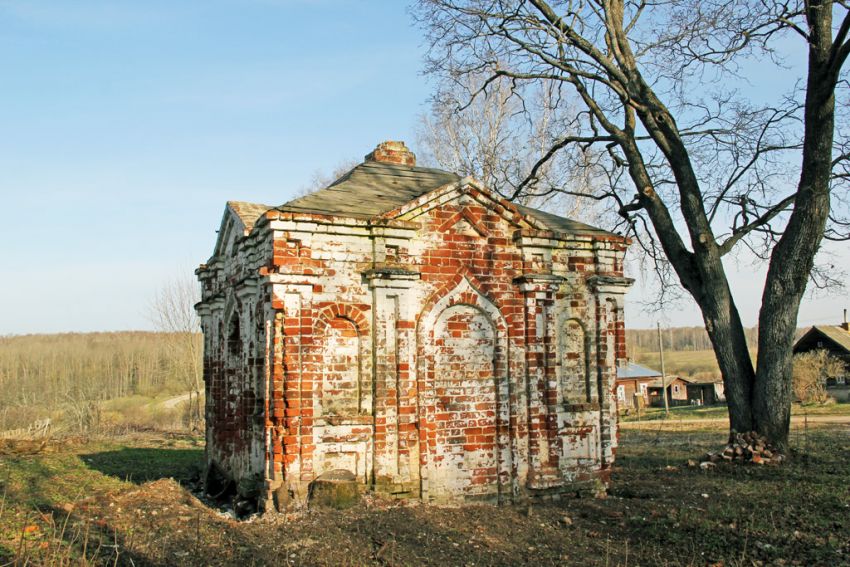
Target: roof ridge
237, 202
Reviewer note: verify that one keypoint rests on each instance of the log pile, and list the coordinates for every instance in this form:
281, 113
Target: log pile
747, 447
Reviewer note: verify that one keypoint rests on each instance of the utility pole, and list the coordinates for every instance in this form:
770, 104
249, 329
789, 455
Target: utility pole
663, 374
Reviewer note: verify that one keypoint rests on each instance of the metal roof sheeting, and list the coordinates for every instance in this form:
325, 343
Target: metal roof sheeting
635, 370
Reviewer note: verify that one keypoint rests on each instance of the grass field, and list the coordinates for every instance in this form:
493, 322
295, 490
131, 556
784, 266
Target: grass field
683, 362
122, 503
680, 362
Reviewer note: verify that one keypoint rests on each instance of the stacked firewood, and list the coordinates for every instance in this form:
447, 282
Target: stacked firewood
747, 447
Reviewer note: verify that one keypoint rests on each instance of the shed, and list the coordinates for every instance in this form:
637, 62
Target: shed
633, 381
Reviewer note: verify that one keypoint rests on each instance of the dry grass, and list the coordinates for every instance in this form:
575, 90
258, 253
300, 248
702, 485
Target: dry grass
695, 363
720, 412
116, 503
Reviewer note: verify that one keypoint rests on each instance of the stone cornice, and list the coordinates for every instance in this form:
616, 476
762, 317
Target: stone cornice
538, 282
600, 282
390, 276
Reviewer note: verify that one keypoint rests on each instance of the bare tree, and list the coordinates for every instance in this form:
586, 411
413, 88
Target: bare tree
172, 311
695, 170
499, 136
72, 375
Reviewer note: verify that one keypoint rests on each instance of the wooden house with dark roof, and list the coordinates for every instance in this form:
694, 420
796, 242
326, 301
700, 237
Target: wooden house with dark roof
835, 339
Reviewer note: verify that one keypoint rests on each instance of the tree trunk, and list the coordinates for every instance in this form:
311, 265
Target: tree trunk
729, 341
700, 272
793, 257
705, 279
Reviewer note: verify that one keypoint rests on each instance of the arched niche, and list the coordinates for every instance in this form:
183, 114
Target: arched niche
342, 389
575, 385
234, 339
464, 396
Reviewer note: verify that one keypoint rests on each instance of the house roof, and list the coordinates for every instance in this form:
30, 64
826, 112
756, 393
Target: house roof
634, 370
836, 334
713, 379
670, 379
374, 188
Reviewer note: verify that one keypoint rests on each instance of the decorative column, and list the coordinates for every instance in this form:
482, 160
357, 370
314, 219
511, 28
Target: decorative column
396, 443
214, 375
289, 418
541, 381
608, 292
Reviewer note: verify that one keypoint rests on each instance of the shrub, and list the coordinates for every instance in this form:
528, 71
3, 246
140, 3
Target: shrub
810, 373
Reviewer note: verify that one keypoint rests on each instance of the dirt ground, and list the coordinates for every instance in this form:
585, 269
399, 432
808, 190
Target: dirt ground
81, 504
377, 531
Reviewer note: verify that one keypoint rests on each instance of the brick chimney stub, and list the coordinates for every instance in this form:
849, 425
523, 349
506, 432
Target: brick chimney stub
392, 152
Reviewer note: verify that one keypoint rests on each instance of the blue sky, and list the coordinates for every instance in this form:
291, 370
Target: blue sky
125, 126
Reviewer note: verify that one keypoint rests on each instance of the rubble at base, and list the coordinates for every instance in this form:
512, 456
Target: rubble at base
749, 447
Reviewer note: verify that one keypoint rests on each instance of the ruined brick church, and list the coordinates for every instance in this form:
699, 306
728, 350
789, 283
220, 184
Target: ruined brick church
412, 328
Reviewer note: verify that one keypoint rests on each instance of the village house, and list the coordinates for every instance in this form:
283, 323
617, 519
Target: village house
684, 390
834, 339
633, 381
415, 331
706, 391
639, 386
677, 391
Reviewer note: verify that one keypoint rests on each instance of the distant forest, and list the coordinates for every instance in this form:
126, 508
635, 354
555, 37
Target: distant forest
682, 339
69, 377
77, 378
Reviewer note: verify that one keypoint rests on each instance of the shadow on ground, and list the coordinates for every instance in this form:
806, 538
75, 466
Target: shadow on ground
144, 464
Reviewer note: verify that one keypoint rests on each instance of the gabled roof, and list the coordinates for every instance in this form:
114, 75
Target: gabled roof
691, 380
239, 216
635, 370
669, 381
712, 379
248, 213
836, 334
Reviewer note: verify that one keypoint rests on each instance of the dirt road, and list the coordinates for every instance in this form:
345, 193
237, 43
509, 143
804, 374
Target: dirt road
796, 420
172, 403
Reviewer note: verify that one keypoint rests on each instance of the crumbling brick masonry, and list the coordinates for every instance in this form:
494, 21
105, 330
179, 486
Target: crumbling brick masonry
417, 330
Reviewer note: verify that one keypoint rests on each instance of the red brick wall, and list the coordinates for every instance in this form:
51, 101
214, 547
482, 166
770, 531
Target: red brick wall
442, 356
